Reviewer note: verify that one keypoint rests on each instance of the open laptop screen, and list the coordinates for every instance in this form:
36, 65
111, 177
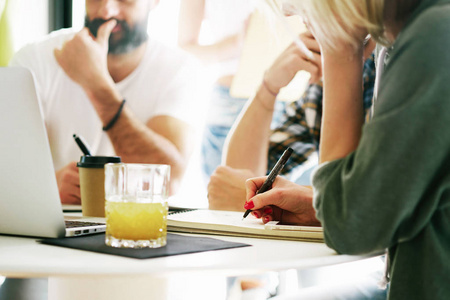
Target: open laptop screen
29, 198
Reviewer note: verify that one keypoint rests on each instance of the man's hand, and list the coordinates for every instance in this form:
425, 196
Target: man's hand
226, 189
69, 184
293, 60
84, 58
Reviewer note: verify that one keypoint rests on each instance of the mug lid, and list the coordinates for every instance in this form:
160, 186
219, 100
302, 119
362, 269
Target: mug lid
97, 161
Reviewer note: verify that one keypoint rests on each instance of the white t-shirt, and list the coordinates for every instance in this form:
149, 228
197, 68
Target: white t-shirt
162, 84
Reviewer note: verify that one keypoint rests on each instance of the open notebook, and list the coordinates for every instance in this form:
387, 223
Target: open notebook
231, 223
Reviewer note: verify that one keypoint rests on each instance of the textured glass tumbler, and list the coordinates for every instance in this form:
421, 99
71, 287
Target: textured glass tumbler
136, 205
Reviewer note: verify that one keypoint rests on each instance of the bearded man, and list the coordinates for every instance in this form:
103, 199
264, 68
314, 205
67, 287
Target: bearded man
125, 93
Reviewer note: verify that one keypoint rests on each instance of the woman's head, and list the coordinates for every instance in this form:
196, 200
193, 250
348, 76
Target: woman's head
337, 21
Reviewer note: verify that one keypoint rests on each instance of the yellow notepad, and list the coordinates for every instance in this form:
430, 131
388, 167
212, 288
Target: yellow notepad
230, 223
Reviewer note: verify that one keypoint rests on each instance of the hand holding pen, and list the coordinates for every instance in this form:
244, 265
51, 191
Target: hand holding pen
272, 175
286, 202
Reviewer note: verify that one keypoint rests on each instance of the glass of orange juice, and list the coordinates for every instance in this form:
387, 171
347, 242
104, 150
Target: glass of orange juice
136, 205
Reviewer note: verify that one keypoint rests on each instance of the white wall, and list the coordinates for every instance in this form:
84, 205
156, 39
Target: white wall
163, 20
29, 21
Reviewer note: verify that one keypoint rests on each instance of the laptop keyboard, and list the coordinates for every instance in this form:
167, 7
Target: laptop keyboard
74, 224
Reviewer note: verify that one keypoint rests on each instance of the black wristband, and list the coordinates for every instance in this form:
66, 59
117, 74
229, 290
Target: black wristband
116, 116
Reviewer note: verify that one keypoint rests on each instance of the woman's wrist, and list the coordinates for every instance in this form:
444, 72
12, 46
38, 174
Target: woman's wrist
265, 97
271, 90
350, 55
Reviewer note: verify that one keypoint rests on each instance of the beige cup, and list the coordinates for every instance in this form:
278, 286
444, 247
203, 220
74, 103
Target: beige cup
92, 183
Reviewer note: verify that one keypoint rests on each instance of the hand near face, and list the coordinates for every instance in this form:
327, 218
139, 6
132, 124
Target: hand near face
226, 189
84, 57
293, 60
286, 202
69, 184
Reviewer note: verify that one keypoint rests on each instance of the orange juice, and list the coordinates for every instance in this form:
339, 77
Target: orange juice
136, 221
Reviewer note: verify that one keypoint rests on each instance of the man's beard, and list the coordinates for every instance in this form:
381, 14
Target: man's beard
130, 39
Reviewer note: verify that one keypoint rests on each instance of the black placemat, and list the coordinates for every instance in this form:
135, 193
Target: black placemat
176, 244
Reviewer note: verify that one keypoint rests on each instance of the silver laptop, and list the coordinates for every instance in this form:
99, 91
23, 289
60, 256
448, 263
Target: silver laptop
29, 197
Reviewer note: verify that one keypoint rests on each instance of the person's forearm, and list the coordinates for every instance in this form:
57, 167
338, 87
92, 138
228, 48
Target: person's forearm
248, 141
343, 109
135, 142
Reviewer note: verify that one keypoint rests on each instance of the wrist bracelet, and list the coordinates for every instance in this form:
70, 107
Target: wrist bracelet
114, 119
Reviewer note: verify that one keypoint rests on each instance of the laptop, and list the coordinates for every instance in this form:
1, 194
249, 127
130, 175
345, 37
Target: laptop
29, 199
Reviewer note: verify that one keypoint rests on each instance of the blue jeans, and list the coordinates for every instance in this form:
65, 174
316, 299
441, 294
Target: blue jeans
222, 112
365, 288
24, 289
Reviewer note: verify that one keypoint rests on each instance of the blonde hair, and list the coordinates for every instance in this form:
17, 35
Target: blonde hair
337, 21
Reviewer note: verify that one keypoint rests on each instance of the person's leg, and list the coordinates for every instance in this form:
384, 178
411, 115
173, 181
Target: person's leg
364, 289
24, 289
357, 280
212, 145
222, 112
253, 287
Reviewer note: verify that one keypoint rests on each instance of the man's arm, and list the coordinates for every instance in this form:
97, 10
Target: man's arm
162, 139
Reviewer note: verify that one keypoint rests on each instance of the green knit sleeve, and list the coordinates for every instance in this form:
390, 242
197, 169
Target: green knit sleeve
389, 188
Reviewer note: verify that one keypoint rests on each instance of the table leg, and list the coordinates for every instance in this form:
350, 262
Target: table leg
106, 287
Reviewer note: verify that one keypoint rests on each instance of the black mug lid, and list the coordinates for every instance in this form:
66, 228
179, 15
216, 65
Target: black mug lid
97, 161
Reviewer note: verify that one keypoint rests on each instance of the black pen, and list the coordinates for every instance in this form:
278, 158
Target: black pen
82, 146
272, 175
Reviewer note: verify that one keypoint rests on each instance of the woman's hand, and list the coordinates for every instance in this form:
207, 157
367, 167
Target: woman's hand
293, 60
286, 201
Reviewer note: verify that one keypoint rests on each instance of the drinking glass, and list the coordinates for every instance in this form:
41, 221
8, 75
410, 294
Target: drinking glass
136, 205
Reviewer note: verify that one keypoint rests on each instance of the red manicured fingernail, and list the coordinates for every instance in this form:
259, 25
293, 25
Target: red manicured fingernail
267, 210
256, 214
249, 205
266, 219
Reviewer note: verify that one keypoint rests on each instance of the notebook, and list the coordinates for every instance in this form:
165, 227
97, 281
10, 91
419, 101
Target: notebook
29, 197
230, 223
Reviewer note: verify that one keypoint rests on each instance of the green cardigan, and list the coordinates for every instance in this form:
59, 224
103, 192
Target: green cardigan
394, 190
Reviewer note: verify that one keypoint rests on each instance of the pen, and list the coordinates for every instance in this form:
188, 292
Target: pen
82, 146
272, 175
